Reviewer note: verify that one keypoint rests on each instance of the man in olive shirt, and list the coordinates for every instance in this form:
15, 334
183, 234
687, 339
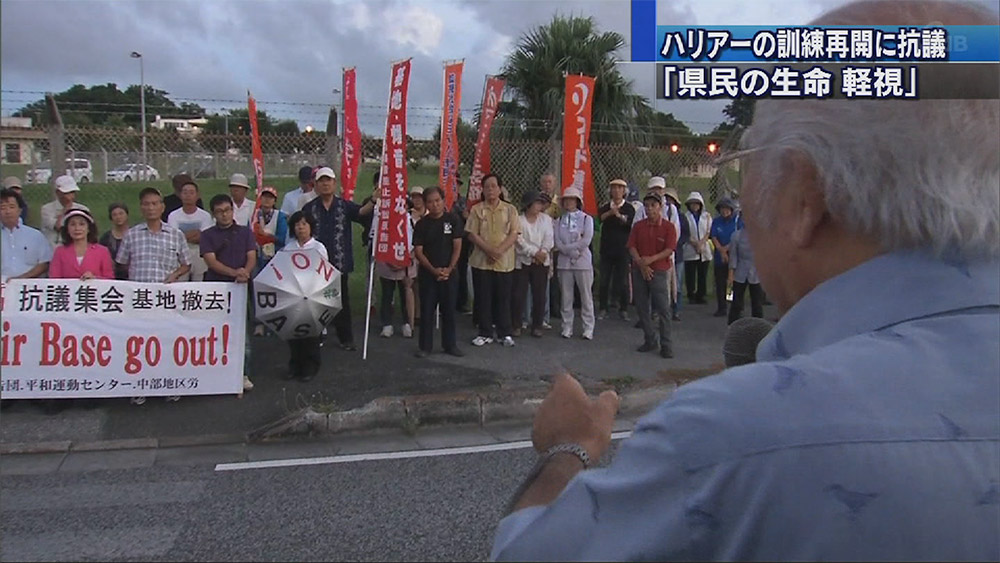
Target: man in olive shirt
437, 241
492, 228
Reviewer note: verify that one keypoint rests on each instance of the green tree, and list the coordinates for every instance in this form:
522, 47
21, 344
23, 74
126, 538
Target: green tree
104, 104
535, 71
466, 133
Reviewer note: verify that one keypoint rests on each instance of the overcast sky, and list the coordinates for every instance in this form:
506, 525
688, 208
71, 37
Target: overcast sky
292, 51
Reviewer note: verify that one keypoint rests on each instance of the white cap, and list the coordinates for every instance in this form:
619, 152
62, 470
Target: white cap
12, 182
326, 171
66, 184
656, 182
417, 190
239, 180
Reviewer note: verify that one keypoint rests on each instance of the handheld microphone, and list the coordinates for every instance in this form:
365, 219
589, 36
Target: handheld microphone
742, 338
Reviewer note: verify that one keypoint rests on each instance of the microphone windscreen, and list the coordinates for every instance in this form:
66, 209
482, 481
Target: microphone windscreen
742, 338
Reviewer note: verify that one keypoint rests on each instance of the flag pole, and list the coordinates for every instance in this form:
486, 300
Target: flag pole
371, 261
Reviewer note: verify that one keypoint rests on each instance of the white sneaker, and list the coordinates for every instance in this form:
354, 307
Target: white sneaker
386, 331
588, 336
247, 384
173, 398
567, 335
482, 341
508, 342
138, 400
546, 326
407, 331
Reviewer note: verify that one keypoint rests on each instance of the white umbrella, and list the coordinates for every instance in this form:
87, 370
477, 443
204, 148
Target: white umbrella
297, 294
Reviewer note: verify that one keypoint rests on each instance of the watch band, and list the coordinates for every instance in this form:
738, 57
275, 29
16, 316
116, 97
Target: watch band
572, 448
575, 449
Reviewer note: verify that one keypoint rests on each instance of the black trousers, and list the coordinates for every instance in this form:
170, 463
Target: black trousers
695, 274
534, 276
721, 274
614, 279
756, 301
342, 322
304, 356
385, 308
438, 295
493, 292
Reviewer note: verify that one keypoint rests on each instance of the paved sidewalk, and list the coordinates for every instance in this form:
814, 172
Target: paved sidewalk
392, 389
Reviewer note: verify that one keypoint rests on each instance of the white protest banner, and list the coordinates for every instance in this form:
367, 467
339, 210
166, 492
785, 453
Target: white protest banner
66, 338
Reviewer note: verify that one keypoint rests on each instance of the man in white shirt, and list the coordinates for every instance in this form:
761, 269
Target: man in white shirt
53, 211
192, 220
25, 252
242, 207
295, 199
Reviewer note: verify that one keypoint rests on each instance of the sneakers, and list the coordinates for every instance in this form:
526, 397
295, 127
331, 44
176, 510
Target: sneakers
647, 347
588, 336
624, 316
173, 398
666, 353
567, 335
407, 331
258, 330
138, 400
675, 317
421, 353
602, 315
536, 332
508, 342
546, 326
247, 384
482, 341
516, 332
387, 331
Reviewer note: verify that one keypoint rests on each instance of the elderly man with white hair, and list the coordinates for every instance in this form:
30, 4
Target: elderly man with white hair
868, 429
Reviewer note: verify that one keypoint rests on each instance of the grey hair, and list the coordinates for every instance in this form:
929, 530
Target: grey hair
912, 174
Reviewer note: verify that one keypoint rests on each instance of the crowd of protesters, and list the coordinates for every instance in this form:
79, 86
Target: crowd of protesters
527, 263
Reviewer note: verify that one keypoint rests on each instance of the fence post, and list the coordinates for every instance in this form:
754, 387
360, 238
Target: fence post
332, 140
104, 179
57, 140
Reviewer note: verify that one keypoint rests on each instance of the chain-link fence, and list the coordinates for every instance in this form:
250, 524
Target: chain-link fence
103, 155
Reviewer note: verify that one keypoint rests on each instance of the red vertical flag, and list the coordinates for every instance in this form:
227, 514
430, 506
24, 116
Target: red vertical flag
448, 170
350, 155
576, 139
392, 245
258, 153
481, 163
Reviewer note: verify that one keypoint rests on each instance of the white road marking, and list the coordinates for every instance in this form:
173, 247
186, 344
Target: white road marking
383, 456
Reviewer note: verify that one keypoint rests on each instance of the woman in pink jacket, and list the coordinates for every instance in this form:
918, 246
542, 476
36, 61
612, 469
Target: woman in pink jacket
80, 256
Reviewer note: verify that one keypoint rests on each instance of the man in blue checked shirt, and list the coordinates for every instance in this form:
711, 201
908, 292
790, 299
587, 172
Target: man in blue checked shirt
869, 428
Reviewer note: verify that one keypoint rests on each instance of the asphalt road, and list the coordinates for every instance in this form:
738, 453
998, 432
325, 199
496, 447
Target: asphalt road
190, 508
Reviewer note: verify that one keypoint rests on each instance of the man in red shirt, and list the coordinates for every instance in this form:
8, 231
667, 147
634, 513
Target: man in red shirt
651, 243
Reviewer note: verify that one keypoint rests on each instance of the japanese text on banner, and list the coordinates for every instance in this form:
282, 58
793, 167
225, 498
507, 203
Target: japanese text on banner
576, 139
66, 338
481, 162
350, 160
258, 152
448, 170
392, 235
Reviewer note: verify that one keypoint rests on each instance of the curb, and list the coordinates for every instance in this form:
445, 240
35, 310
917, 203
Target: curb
517, 404
465, 407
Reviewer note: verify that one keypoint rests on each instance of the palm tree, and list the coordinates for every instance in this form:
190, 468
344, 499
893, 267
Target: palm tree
535, 71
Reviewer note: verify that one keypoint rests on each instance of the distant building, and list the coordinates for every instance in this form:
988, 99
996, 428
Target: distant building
183, 125
18, 140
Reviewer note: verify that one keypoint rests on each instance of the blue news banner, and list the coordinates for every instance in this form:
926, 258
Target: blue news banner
881, 62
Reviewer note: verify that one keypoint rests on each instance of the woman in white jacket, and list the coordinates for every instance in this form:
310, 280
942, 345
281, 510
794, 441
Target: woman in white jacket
697, 251
532, 260
573, 233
